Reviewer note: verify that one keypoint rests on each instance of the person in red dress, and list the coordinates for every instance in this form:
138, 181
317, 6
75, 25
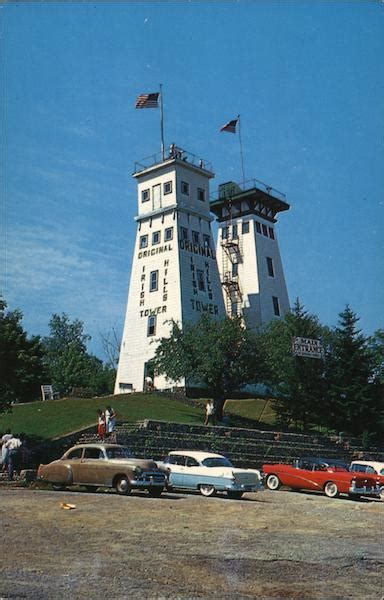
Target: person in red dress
101, 426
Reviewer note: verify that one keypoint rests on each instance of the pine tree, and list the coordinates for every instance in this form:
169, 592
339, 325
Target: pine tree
350, 398
297, 382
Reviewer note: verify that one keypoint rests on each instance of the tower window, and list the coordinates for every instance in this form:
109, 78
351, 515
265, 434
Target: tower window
207, 241
195, 237
245, 227
271, 233
276, 306
224, 234
184, 233
153, 281
201, 194
258, 227
151, 326
271, 271
143, 241
185, 188
265, 230
168, 187
234, 232
168, 234
156, 237
200, 280
235, 269
145, 195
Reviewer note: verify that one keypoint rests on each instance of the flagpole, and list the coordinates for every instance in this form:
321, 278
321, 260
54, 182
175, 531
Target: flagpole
162, 122
241, 150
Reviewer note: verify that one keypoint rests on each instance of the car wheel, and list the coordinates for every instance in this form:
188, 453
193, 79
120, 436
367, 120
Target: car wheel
273, 482
234, 495
207, 490
382, 493
122, 485
155, 492
58, 487
331, 490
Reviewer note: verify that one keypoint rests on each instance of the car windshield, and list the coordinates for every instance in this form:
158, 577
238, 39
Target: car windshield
118, 452
217, 461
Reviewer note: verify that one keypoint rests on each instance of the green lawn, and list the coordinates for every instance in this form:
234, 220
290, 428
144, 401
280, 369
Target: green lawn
258, 411
58, 417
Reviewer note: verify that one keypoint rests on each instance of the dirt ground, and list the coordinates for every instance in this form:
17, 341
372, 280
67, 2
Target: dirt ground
268, 545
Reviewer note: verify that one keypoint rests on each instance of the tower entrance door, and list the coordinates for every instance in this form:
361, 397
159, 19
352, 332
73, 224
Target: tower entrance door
156, 196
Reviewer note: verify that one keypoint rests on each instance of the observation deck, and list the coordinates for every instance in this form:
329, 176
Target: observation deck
250, 197
175, 154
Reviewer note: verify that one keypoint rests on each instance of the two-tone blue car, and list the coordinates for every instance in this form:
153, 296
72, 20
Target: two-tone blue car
208, 473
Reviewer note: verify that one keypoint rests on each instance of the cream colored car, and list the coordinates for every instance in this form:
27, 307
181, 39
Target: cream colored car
208, 473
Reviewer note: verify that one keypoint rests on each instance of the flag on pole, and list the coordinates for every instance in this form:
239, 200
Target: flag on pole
230, 126
148, 101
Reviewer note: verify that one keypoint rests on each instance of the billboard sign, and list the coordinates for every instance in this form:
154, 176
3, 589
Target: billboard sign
307, 347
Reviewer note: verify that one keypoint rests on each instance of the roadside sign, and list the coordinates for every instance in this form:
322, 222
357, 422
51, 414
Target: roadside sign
307, 347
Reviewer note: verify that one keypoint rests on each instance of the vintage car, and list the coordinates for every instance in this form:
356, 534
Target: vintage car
329, 476
103, 465
372, 467
208, 473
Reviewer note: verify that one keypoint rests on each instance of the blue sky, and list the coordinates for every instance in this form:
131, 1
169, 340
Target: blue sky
307, 78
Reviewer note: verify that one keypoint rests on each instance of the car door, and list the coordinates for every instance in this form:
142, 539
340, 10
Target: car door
302, 477
93, 468
73, 460
176, 466
191, 473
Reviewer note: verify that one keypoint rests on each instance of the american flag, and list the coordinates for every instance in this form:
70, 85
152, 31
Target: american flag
147, 100
230, 126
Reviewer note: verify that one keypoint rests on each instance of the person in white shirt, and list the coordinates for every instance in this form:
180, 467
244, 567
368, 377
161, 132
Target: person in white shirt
209, 413
4, 451
13, 446
110, 419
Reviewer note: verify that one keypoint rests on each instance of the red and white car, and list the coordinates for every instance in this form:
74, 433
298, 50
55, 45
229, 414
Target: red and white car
331, 477
371, 467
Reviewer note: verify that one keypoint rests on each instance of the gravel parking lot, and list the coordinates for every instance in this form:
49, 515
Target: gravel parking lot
268, 545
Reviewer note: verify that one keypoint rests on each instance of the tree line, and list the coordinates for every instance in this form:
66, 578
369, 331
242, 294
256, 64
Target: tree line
60, 359
342, 391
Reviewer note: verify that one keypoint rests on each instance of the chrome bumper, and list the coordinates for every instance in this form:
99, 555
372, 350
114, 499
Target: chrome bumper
238, 487
147, 483
365, 490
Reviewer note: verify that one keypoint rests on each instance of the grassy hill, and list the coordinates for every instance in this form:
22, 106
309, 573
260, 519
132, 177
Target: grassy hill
58, 417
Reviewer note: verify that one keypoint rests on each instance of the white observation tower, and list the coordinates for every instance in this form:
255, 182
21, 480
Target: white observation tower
174, 269
248, 254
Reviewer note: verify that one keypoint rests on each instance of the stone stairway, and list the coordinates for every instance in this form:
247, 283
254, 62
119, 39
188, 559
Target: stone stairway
245, 447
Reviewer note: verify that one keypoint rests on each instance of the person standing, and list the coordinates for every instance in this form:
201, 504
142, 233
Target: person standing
13, 446
101, 429
110, 420
4, 451
209, 413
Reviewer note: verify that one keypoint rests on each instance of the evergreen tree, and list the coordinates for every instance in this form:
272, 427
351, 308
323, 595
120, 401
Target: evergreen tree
297, 382
351, 403
21, 360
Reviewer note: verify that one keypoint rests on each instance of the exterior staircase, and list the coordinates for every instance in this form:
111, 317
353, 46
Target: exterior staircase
245, 447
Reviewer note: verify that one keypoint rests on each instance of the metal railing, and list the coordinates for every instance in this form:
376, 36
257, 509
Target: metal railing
174, 152
229, 189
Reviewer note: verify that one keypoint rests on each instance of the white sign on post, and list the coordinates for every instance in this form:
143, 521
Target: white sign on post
307, 347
